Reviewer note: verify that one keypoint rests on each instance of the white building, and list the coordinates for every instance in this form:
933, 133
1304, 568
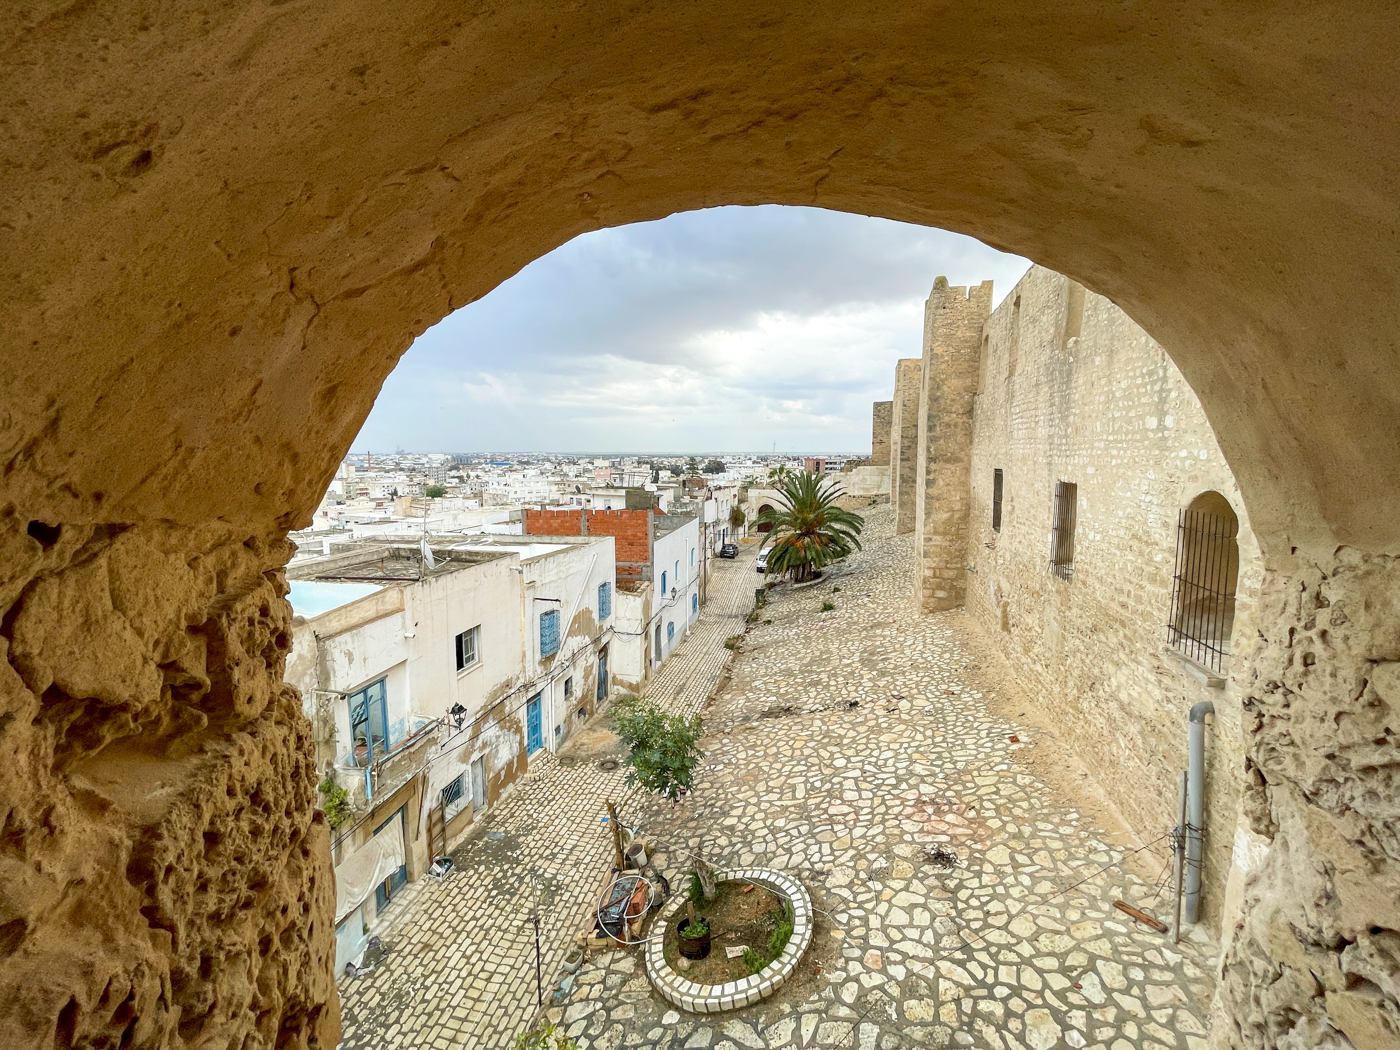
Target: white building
676, 568
432, 684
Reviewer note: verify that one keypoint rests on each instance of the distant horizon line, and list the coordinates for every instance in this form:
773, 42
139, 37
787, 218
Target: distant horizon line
672, 455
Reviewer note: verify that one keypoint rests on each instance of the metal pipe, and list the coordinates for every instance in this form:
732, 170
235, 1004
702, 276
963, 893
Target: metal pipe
1195, 805
1178, 853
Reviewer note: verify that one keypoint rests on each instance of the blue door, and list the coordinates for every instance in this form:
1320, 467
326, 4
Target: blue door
534, 725
385, 891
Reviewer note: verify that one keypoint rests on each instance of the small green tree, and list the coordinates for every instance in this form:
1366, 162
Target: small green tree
778, 473
435, 491
662, 748
692, 465
737, 518
546, 1037
714, 466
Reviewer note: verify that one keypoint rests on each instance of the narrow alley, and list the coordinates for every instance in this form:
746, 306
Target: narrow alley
461, 965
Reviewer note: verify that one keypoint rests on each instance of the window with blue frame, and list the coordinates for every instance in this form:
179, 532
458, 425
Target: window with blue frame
695, 605
369, 723
670, 631
604, 601
549, 633
663, 582
692, 557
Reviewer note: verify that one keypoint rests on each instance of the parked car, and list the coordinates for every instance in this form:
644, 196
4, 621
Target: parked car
729, 550
762, 564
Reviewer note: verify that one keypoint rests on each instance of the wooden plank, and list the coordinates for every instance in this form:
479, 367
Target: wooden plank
1141, 916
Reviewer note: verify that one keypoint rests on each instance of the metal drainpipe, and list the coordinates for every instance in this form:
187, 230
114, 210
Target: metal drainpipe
1195, 806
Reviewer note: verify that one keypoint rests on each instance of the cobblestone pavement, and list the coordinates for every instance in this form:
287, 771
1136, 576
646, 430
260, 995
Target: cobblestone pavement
461, 966
851, 748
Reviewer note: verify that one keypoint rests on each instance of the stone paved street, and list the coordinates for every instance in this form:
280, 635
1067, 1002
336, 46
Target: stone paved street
854, 747
461, 967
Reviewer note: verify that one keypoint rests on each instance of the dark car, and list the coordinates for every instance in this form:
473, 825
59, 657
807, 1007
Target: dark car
729, 550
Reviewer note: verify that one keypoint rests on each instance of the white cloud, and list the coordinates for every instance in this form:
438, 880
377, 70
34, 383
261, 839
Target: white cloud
730, 329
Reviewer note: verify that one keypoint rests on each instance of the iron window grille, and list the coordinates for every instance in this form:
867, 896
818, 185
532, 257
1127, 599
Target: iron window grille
1203, 587
1062, 534
604, 601
997, 484
466, 648
549, 633
452, 792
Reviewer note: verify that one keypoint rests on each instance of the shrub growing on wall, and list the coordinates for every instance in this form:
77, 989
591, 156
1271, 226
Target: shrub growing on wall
335, 802
662, 748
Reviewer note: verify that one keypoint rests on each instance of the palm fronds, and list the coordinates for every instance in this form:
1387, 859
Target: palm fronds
811, 531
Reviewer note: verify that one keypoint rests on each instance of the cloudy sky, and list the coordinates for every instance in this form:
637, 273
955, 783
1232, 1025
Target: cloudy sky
724, 330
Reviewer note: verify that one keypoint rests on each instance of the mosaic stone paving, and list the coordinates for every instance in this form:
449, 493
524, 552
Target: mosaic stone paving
962, 901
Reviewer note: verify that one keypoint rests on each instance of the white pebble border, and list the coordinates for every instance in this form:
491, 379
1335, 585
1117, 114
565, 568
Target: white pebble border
732, 995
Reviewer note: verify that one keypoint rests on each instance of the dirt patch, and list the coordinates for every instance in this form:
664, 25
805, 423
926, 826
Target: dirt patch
737, 919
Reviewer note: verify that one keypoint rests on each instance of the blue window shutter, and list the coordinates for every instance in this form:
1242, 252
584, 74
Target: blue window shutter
549, 633
663, 581
604, 601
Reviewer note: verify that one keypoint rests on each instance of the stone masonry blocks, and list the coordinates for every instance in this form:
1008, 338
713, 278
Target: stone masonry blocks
904, 440
953, 321
880, 414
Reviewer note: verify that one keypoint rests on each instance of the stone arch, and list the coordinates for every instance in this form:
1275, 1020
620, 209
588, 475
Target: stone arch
221, 234
764, 527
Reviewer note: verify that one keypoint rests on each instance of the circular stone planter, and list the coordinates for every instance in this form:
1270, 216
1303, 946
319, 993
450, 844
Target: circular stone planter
716, 998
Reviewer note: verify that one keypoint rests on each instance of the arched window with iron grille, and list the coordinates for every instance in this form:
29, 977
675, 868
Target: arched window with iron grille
1203, 585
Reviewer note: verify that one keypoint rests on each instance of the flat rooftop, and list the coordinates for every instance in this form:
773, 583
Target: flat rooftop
382, 564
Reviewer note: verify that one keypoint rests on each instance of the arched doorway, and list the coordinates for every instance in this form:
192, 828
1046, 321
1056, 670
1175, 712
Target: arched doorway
221, 237
764, 527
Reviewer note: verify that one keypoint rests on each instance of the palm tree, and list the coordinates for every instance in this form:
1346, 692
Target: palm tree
811, 531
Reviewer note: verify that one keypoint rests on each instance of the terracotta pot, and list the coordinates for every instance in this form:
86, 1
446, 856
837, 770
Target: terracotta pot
692, 947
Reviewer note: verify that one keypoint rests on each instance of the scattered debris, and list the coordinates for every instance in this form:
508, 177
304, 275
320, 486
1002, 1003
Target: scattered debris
1013, 738
1141, 916
734, 951
941, 857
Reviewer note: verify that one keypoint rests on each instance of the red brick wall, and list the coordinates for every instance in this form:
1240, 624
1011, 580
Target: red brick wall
553, 522
631, 532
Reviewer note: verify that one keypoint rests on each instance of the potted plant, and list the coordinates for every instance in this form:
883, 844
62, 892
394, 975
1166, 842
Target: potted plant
693, 937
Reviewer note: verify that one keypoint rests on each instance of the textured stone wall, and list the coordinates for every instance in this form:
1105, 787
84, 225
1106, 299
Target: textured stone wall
880, 415
904, 440
220, 232
1072, 390
953, 320
164, 879
1315, 961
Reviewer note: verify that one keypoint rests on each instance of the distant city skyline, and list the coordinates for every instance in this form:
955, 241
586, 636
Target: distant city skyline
727, 329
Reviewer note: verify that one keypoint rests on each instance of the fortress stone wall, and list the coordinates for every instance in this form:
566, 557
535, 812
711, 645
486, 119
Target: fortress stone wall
1070, 389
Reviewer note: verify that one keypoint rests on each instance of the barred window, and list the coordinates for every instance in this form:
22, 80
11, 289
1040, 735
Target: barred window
1062, 534
996, 499
452, 792
549, 633
1203, 584
604, 601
